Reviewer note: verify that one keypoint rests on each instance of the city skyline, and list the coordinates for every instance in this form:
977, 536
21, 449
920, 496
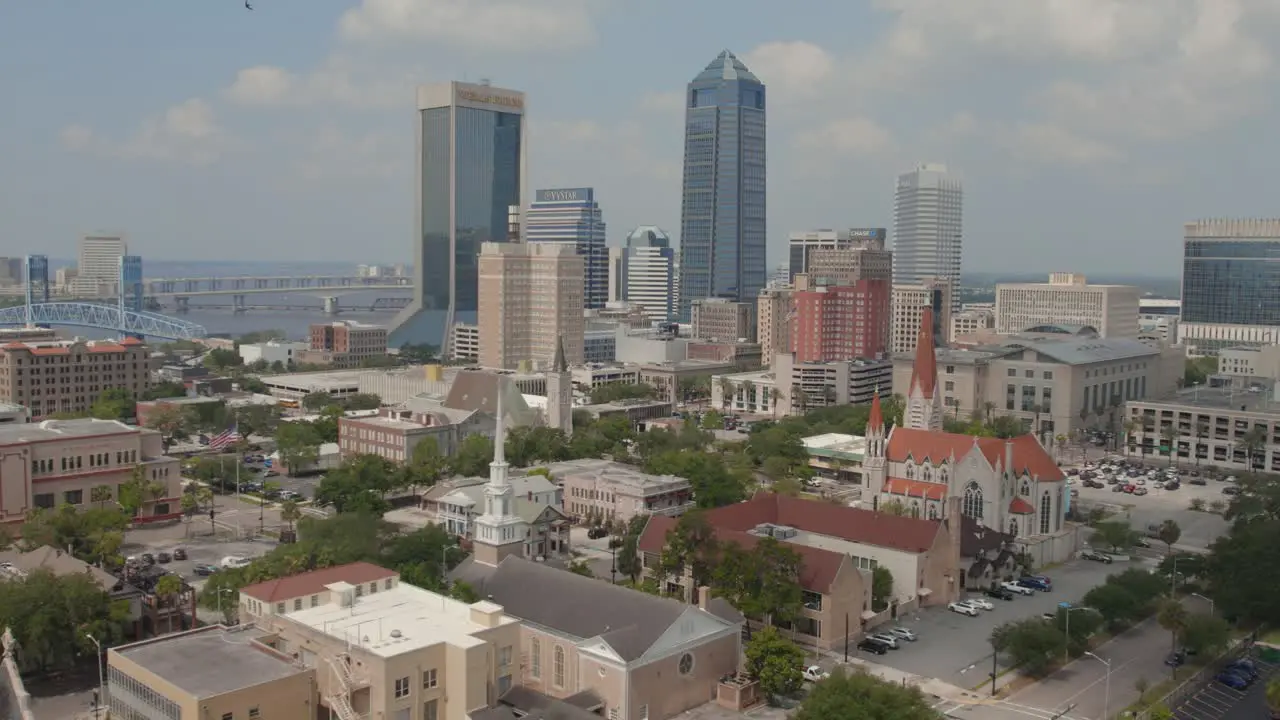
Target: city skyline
252, 147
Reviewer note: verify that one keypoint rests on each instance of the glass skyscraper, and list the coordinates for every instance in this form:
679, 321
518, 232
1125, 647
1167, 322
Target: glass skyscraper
470, 171
1230, 284
722, 214
571, 216
928, 228
648, 269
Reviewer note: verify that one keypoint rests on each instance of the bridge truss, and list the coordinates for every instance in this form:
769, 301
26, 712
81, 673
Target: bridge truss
106, 317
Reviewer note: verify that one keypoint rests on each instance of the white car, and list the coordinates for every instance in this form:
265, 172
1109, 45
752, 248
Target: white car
979, 603
903, 633
887, 638
963, 609
234, 561
813, 673
1014, 587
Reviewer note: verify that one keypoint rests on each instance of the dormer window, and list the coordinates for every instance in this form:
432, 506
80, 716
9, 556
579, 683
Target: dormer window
1025, 491
928, 473
911, 471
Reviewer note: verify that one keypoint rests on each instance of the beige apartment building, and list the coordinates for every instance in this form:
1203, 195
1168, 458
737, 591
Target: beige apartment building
1065, 383
344, 344
68, 376
1213, 426
619, 491
865, 259
908, 303
212, 673
775, 308
723, 320
1068, 300
531, 299
385, 650
58, 462
971, 322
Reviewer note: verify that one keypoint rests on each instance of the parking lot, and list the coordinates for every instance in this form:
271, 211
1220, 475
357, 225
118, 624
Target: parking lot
955, 648
1212, 700
202, 548
1199, 529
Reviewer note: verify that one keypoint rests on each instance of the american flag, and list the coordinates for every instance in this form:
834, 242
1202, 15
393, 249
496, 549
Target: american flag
227, 437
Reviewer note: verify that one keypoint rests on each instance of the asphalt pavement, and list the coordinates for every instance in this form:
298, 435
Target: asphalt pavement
1211, 700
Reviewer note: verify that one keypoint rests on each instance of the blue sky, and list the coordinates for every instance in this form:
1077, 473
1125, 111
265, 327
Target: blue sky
1086, 132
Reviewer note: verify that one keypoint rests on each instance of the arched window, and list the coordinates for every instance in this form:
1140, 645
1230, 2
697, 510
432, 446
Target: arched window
911, 471
915, 508
535, 657
1046, 513
933, 511
973, 500
942, 475
928, 473
1026, 488
557, 677
1013, 527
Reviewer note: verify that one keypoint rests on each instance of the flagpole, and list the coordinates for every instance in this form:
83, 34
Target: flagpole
238, 504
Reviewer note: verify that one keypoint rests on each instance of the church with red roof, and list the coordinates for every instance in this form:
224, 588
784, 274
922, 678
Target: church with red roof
1011, 485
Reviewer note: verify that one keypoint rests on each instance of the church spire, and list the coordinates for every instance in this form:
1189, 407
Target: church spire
498, 468
558, 363
924, 372
875, 421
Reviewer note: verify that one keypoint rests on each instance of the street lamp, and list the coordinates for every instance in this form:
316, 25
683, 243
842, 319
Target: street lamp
1106, 698
1208, 599
97, 712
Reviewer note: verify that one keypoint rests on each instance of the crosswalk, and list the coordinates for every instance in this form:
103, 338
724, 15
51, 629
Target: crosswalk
1215, 701
1000, 710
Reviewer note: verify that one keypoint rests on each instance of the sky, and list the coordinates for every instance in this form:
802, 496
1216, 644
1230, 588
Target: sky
1086, 131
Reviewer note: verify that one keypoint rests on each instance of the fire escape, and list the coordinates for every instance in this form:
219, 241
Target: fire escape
345, 682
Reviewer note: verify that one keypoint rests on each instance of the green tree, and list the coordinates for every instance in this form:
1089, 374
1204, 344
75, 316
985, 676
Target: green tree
1172, 616
463, 592
712, 420
163, 390
362, 401
326, 426
318, 400
1117, 605
426, 466
190, 506
1273, 696
169, 420
787, 486
1115, 534
100, 494
775, 662
257, 419
137, 491
168, 587
617, 391
894, 507
714, 485
690, 547
881, 587
1205, 634
859, 694
51, 617
360, 483
1232, 570
114, 404
290, 512
298, 444
580, 567
1259, 498
1031, 644
220, 359
475, 452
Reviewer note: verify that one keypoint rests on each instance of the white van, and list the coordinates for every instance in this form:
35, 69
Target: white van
234, 561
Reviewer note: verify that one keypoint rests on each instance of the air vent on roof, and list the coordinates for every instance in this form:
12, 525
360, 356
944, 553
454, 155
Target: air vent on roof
763, 530
396, 634
783, 532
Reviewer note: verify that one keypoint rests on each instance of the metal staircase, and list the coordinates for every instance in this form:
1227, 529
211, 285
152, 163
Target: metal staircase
339, 697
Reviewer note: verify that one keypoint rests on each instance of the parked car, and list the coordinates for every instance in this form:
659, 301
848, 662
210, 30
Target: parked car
205, 569
1175, 659
1014, 587
1232, 680
1172, 485
1035, 584
903, 633
596, 533
886, 638
164, 557
813, 673
963, 609
179, 554
873, 647
1243, 666
1198, 481
148, 559
1097, 556
999, 593
235, 561
1140, 491
979, 603
1231, 490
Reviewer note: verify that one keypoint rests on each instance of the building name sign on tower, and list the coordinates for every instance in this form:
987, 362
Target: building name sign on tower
489, 98
571, 195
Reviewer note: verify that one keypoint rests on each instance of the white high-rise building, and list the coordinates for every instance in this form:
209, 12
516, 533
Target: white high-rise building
1111, 310
571, 216
98, 269
928, 227
649, 268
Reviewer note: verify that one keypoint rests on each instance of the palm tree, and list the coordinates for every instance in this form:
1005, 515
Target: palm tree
1253, 442
1202, 433
167, 589
1130, 426
748, 393
190, 506
290, 513
727, 391
1061, 441
1169, 434
100, 494
1172, 616
799, 399
774, 396
988, 408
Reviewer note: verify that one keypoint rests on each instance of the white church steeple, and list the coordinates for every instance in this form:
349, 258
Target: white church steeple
499, 531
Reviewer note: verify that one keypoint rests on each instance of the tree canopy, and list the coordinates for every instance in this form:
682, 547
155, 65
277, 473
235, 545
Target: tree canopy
859, 694
775, 662
52, 616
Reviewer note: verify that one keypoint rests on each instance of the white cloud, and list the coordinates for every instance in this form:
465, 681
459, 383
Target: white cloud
491, 25
330, 154
1054, 144
663, 102
340, 81
793, 67
847, 136
185, 133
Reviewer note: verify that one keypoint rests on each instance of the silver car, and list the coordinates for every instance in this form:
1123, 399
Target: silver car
903, 634
886, 638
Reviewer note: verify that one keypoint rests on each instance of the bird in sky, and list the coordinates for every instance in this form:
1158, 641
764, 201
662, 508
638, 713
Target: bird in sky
247, 6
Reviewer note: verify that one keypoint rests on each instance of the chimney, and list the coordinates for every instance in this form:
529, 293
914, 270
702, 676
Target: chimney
704, 596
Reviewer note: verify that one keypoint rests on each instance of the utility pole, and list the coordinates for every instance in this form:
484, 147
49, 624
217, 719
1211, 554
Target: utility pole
995, 669
101, 694
613, 564
846, 637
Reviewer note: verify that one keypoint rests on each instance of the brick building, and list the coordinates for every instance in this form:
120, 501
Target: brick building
842, 322
52, 377
344, 344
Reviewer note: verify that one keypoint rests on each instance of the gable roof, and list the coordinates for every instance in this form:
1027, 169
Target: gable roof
62, 564
310, 583
478, 390
838, 521
920, 445
628, 620
818, 567
977, 539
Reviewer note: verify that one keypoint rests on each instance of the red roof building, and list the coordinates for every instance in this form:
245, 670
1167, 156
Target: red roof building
311, 589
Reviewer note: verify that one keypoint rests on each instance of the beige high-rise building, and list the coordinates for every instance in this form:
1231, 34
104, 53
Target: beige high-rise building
844, 266
52, 377
909, 302
1067, 299
774, 312
723, 320
531, 297
98, 269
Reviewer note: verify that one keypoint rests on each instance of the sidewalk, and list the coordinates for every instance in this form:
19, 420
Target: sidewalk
929, 686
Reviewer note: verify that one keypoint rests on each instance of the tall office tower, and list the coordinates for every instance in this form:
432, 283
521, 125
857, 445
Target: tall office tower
781, 277
1111, 310
571, 216
130, 284
909, 303
722, 213
1230, 284
775, 309
928, 227
617, 274
649, 268
530, 302
99, 265
471, 146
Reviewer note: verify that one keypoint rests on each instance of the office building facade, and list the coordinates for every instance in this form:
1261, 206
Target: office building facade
571, 216
98, 266
842, 322
471, 148
69, 376
801, 246
722, 223
928, 225
775, 310
724, 320
649, 270
909, 303
530, 300
1067, 299
1230, 284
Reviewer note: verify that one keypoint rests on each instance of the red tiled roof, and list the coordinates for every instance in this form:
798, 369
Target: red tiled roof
1021, 507
935, 447
916, 488
876, 419
131, 341
924, 371
818, 567
15, 345
309, 583
105, 348
50, 351
839, 521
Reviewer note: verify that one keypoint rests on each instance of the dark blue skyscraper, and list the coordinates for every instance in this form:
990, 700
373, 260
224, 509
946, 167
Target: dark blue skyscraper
722, 215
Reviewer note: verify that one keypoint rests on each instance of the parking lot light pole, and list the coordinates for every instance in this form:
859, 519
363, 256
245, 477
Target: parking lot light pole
1202, 597
1106, 697
97, 706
